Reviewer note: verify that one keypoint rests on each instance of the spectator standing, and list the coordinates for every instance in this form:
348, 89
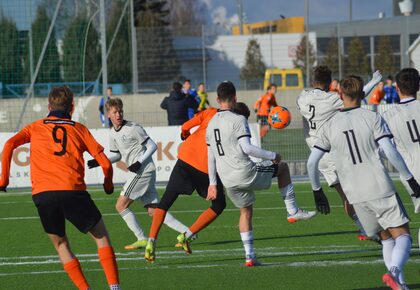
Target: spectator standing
390, 91
102, 115
177, 105
202, 94
188, 91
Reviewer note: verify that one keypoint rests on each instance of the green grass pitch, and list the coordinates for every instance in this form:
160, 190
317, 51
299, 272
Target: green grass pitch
322, 253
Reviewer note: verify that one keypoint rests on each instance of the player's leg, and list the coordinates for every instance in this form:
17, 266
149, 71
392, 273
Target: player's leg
247, 236
169, 219
122, 206
294, 213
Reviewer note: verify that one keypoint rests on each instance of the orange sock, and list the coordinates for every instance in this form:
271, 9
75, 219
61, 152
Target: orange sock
109, 264
75, 273
203, 220
158, 218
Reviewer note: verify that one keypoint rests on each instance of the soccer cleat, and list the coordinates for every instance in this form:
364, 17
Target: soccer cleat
184, 243
179, 245
392, 281
149, 253
251, 261
136, 245
300, 214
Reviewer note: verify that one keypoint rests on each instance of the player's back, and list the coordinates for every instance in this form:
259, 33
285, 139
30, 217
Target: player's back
223, 132
352, 135
265, 102
404, 123
317, 107
56, 153
194, 149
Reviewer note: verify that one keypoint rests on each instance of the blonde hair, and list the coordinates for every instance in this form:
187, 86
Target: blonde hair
114, 102
61, 98
352, 86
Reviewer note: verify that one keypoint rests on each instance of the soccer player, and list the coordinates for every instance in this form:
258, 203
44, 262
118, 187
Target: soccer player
228, 137
129, 141
355, 134
262, 108
404, 122
58, 187
189, 174
317, 106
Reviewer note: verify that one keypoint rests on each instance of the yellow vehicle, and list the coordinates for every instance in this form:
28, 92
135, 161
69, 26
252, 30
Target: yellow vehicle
284, 78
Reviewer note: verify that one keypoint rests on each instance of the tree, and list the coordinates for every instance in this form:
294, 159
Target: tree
300, 58
331, 58
385, 59
119, 58
254, 67
357, 59
156, 53
74, 54
11, 66
186, 17
50, 67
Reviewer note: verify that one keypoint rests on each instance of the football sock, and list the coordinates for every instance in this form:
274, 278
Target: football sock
202, 221
109, 264
400, 255
133, 224
288, 194
248, 242
157, 222
188, 234
387, 247
74, 271
174, 224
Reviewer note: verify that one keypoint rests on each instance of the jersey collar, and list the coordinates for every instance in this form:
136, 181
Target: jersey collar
349, 109
59, 114
407, 100
122, 125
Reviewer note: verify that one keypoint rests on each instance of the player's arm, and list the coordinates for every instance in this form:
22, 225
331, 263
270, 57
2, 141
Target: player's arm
113, 157
257, 104
151, 148
321, 201
20, 138
376, 78
254, 151
398, 162
212, 191
187, 126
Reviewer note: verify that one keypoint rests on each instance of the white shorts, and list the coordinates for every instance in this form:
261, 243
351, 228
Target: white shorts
326, 165
380, 214
141, 188
243, 195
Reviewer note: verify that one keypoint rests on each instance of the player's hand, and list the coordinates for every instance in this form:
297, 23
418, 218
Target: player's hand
277, 160
321, 202
92, 163
185, 135
134, 167
377, 76
108, 186
212, 192
415, 187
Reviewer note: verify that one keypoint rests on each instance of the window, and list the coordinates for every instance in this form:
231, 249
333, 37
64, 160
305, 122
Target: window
292, 80
276, 79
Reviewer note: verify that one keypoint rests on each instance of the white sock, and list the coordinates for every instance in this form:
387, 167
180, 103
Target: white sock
174, 224
248, 242
387, 247
114, 287
188, 234
400, 256
130, 219
288, 193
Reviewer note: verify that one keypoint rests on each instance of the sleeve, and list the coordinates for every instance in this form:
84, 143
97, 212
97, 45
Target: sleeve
322, 141
394, 157
195, 121
380, 128
255, 151
211, 167
274, 102
151, 148
258, 103
191, 102
93, 147
312, 166
203, 101
140, 134
114, 157
164, 104
241, 128
20, 138
113, 145
337, 102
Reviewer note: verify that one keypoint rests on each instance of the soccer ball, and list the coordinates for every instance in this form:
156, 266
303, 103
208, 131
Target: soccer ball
279, 117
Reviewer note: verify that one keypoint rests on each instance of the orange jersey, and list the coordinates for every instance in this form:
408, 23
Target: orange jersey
56, 153
194, 149
264, 103
376, 97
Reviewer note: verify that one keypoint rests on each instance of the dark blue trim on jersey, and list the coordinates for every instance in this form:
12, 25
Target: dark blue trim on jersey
114, 151
349, 109
59, 114
322, 149
145, 141
390, 136
242, 136
409, 101
208, 144
119, 129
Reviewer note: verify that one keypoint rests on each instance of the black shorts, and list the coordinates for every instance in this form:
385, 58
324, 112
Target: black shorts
54, 207
185, 179
262, 120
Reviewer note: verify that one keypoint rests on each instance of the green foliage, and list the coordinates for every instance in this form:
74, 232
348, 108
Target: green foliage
74, 54
119, 58
154, 41
11, 67
357, 59
254, 67
300, 59
385, 59
331, 58
50, 67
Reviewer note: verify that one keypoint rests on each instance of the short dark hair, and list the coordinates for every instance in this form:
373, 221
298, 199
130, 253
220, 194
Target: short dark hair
352, 86
226, 91
61, 98
390, 78
176, 86
187, 80
321, 75
242, 109
109, 88
271, 85
408, 81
